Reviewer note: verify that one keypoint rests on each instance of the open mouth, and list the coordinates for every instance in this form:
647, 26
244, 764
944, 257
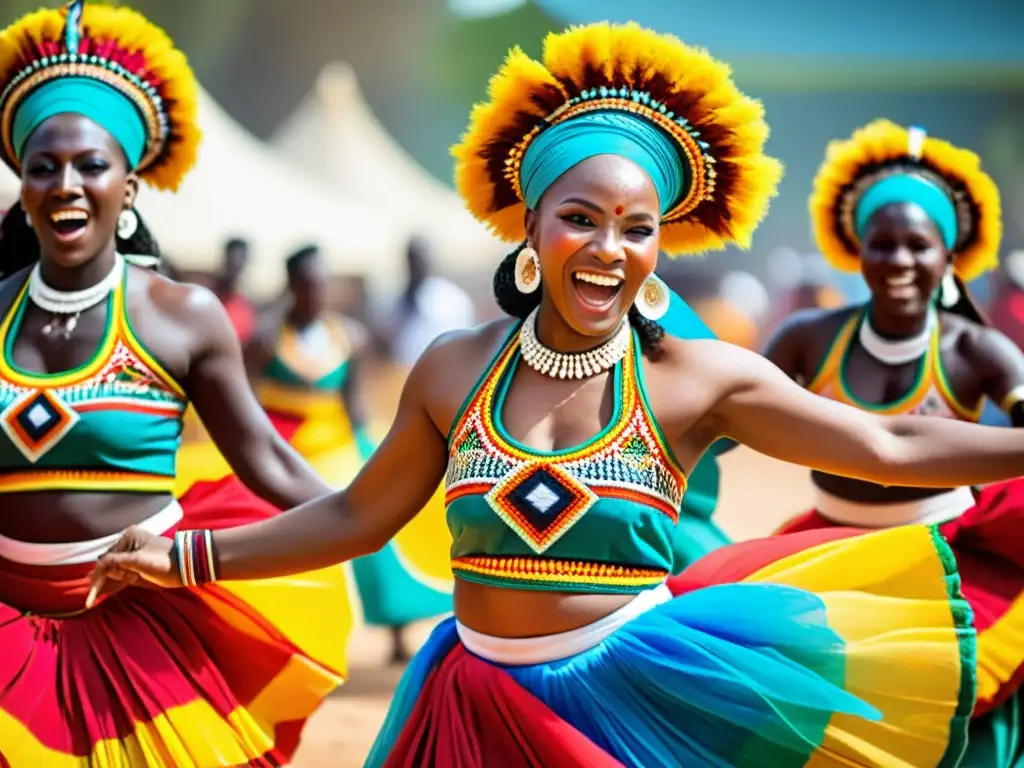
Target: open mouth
596, 289
69, 223
901, 285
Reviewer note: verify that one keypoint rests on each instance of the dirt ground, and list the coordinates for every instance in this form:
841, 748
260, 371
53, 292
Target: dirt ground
758, 493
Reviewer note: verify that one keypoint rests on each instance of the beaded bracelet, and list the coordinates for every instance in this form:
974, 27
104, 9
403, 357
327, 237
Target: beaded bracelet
195, 555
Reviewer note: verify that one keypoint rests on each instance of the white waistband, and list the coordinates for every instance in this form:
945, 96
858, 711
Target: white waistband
538, 650
77, 552
927, 511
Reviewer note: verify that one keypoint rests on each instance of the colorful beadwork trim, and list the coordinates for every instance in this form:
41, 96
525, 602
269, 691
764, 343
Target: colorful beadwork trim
549, 571
632, 438
194, 553
601, 492
540, 496
688, 138
540, 502
483, 405
84, 480
36, 421
144, 95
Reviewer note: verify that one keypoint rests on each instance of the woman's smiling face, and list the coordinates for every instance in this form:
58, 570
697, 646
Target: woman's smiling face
596, 233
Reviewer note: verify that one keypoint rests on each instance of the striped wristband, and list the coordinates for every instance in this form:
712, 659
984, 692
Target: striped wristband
194, 552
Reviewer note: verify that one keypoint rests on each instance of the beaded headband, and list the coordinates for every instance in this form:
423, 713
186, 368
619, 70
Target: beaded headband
120, 49
882, 150
719, 132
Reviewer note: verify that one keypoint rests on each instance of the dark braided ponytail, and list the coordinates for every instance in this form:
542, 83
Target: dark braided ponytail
517, 304
19, 246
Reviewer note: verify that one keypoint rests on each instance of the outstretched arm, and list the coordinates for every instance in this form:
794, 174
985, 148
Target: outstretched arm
392, 487
762, 408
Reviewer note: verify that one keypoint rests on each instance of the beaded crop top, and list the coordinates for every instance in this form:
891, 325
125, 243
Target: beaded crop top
595, 518
308, 369
931, 394
112, 424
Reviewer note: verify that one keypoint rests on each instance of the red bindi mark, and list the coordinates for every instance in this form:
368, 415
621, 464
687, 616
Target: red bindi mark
618, 210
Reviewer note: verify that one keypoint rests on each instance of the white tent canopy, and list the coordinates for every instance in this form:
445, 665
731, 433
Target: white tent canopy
241, 188
334, 135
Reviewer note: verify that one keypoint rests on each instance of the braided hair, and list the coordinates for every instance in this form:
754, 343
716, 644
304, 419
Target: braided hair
517, 304
19, 246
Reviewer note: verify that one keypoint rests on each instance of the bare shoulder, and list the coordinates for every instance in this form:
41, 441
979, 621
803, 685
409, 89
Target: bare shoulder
707, 369
189, 315
468, 349
187, 302
986, 348
688, 373
451, 366
803, 340
685, 382
700, 359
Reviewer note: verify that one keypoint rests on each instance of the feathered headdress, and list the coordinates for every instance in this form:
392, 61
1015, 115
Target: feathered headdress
120, 49
682, 90
882, 149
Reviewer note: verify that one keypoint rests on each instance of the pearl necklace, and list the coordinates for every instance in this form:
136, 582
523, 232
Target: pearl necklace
71, 304
899, 351
577, 365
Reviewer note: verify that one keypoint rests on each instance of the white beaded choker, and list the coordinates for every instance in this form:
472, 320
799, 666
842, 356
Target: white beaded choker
899, 351
577, 365
71, 304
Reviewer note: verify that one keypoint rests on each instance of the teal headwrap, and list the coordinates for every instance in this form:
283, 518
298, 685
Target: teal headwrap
103, 104
567, 144
909, 188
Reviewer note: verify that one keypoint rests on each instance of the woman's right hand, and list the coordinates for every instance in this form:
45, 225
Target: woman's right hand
137, 557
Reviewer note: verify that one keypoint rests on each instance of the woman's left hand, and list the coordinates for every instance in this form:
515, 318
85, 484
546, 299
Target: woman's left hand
137, 557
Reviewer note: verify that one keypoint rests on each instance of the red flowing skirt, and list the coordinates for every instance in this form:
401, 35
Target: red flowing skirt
988, 542
223, 675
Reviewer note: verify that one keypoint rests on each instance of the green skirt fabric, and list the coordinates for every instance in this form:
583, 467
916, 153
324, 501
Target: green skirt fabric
994, 741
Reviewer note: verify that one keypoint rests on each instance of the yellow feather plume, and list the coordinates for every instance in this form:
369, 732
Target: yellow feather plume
883, 143
30, 37
525, 95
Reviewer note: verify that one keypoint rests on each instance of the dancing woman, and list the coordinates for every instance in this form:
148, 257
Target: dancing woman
98, 362
920, 218
565, 433
306, 370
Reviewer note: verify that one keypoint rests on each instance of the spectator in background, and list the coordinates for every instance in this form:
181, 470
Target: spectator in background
430, 306
240, 309
306, 371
